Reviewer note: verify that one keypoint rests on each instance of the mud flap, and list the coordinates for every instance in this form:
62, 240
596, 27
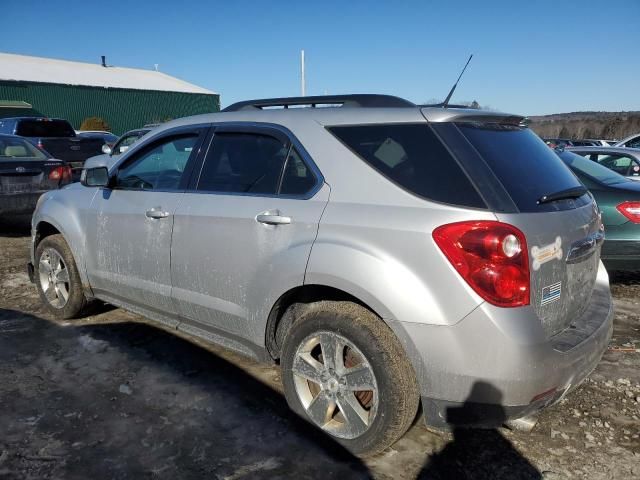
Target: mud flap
31, 272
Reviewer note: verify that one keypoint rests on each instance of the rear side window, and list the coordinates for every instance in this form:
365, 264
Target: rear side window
297, 178
527, 168
243, 163
45, 128
411, 156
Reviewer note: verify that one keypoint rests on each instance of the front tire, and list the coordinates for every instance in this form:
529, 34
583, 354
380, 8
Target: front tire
345, 372
57, 279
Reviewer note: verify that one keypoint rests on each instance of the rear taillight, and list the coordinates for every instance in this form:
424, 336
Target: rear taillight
492, 258
62, 174
631, 210
39, 145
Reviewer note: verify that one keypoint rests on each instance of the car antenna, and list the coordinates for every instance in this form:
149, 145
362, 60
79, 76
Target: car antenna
453, 89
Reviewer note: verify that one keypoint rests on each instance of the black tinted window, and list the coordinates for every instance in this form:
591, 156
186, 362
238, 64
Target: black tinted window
413, 157
527, 168
297, 178
161, 167
633, 143
243, 163
44, 128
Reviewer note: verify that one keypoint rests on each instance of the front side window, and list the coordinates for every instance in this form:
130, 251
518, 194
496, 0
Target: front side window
243, 163
159, 168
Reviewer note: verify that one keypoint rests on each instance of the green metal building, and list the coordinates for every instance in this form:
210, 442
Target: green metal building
126, 98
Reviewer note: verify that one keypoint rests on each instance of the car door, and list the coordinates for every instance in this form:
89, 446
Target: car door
243, 234
130, 225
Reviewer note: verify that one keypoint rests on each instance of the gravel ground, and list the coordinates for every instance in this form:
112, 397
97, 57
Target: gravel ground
110, 396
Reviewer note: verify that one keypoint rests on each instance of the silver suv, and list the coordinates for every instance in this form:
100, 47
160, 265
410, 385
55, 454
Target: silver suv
386, 255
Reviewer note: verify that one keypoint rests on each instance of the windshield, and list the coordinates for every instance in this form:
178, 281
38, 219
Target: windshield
44, 128
527, 168
17, 148
592, 169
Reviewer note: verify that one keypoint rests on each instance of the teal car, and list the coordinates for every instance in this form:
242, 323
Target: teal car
619, 200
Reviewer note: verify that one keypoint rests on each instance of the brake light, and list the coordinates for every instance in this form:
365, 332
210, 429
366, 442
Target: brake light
491, 257
631, 210
62, 173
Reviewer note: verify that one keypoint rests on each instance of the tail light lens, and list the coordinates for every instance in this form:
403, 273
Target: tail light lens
631, 210
62, 174
491, 257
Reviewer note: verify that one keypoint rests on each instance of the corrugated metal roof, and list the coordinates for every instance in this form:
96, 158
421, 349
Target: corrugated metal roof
65, 72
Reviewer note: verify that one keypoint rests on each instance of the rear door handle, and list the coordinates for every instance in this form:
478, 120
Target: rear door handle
156, 213
273, 219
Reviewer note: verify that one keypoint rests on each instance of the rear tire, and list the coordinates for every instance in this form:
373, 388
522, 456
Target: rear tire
57, 279
379, 404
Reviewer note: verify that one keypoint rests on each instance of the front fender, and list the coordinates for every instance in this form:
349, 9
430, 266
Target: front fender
66, 211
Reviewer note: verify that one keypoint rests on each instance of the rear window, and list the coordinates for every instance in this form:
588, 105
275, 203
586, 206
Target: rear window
411, 156
16, 148
44, 128
592, 169
527, 168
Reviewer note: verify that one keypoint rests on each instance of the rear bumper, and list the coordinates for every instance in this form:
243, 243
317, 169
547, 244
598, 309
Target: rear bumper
19, 203
497, 364
621, 254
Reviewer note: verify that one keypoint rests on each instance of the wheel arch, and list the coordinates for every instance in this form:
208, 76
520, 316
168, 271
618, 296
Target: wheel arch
300, 297
47, 226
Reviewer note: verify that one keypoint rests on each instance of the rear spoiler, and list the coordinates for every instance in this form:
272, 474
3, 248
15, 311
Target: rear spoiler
435, 114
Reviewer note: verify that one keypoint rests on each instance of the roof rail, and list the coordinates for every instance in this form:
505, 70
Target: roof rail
357, 100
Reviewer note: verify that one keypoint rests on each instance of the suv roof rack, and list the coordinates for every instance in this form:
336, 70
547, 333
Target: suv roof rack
357, 101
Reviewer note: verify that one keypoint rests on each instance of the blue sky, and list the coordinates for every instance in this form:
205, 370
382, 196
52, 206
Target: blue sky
530, 57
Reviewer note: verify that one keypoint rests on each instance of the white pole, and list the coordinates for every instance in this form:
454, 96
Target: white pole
302, 81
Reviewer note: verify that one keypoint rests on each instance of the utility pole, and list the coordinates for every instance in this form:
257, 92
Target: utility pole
302, 81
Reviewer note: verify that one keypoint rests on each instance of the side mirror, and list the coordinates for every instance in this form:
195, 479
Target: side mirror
106, 149
95, 177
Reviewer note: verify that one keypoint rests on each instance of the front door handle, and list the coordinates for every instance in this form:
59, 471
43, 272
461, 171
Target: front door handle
274, 218
156, 213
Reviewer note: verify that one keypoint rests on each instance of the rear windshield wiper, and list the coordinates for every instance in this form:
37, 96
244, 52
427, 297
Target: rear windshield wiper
574, 192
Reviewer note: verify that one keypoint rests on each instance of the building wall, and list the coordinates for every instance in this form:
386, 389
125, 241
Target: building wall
123, 109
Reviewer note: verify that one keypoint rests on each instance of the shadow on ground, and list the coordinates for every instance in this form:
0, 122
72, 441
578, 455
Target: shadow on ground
127, 400
15, 226
478, 453
131, 401
624, 278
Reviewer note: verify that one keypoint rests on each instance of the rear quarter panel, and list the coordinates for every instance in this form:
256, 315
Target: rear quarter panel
386, 257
